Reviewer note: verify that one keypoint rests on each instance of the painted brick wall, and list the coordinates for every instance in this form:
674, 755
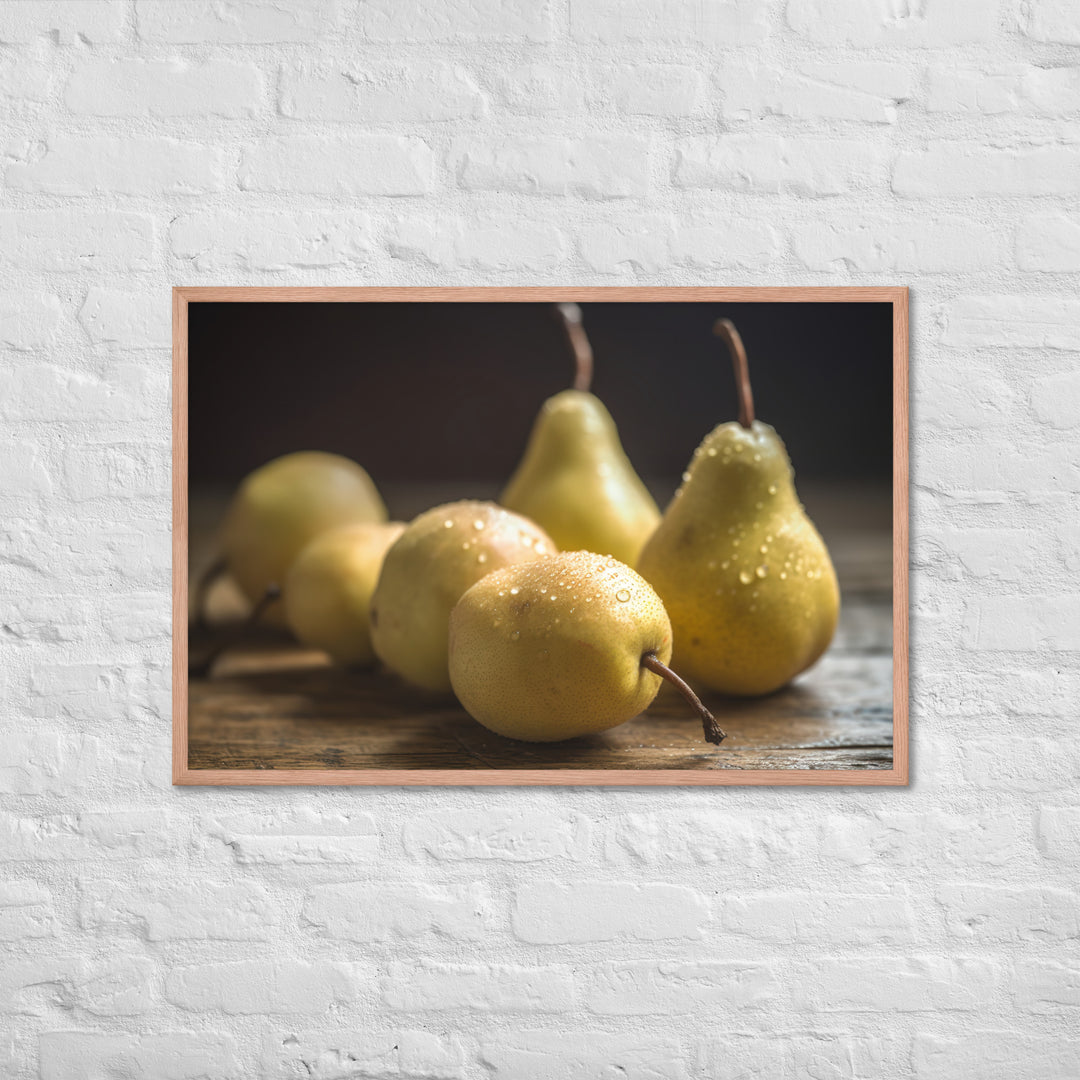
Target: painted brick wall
928, 933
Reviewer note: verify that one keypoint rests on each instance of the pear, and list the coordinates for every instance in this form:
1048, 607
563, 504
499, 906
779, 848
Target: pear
328, 589
571, 645
745, 576
282, 506
575, 478
439, 555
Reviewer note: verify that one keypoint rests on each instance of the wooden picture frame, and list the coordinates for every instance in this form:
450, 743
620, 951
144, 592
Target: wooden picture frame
897, 775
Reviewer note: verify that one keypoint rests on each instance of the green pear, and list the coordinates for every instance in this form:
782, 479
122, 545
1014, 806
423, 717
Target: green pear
567, 646
282, 506
575, 478
743, 573
439, 555
328, 590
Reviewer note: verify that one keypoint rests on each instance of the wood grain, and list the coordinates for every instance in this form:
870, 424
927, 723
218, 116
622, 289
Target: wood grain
180, 537
900, 534
276, 714
277, 706
853, 294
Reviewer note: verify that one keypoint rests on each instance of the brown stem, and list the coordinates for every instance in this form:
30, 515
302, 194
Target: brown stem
570, 314
202, 669
711, 728
202, 590
725, 329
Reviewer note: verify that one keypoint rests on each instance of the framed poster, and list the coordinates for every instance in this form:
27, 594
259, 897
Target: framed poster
614, 536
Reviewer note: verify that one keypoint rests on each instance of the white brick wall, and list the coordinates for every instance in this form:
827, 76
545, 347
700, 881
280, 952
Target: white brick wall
160, 934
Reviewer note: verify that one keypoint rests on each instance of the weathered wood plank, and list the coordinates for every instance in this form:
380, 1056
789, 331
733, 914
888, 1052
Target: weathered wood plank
278, 706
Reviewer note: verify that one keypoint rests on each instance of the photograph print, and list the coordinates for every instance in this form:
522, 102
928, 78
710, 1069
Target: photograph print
540, 536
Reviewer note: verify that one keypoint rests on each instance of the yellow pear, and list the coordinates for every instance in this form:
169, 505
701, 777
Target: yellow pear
439, 555
745, 576
567, 646
575, 478
328, 589
286, 503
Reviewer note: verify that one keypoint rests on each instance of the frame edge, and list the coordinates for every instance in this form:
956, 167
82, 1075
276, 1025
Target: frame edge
898, 776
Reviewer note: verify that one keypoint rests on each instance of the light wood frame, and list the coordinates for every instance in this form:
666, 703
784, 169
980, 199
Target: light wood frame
896, 776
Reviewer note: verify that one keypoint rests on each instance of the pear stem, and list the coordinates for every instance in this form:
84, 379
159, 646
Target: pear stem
202, 589
725, 328
570, 314
202, 669
710, 727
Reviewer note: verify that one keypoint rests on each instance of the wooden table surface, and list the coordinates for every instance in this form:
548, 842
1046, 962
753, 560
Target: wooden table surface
271, 704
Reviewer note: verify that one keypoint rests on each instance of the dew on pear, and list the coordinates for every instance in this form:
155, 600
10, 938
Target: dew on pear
514, 591
761, 571
478, 524
515, 634
448, 524
745, 577
757, 457
725, 564
481, 558
466, 546
763, 549
622, 595
685, 477
711, 451
772, 489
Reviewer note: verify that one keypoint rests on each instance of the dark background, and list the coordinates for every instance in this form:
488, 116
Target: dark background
443, 392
